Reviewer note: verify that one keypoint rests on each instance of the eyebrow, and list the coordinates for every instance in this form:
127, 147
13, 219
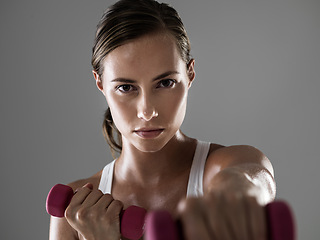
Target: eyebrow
163, 75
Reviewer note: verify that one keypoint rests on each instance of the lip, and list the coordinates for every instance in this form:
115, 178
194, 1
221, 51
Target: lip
148, 133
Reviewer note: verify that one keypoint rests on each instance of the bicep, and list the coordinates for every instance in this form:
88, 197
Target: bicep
61, 230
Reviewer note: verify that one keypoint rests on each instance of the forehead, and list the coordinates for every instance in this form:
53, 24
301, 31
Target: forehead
144, 57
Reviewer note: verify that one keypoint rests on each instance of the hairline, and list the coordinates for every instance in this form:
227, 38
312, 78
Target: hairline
161, 30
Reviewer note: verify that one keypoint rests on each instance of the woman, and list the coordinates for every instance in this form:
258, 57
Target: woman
142, 64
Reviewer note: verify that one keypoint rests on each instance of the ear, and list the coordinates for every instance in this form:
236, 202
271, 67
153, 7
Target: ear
190, 71
98, 80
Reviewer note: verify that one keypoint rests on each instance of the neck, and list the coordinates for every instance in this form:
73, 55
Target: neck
152, 167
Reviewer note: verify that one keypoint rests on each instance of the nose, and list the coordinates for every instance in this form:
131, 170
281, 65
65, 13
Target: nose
146, 109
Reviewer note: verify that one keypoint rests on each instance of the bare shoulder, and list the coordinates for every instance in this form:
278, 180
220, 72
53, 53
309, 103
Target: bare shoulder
228, 156
214, 147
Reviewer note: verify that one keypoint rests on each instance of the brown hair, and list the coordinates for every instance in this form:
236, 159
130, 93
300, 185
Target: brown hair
125, 21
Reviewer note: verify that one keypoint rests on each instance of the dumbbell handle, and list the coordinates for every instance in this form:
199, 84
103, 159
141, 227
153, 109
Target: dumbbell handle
280, 224
132, 220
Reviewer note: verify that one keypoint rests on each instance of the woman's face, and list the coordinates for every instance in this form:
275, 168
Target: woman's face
146, 84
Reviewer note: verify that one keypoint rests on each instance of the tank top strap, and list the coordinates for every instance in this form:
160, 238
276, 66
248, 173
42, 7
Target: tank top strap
106, 178
195, 183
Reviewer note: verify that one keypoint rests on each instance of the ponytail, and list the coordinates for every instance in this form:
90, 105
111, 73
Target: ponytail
109, 132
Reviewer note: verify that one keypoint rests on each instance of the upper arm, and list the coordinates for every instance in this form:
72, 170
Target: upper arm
241, 159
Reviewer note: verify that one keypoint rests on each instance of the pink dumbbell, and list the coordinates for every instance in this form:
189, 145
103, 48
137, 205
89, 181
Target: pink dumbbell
132, 219
161, 226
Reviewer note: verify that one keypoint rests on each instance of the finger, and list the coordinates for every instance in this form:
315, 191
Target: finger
87, 185
239, 221
104, 202
193, 220
217, 216
92, 198
79, 196
232, 211
257, 220
113, 211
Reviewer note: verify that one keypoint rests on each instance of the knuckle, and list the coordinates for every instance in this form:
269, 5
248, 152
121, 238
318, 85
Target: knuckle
69, 213
188, 205
82, 214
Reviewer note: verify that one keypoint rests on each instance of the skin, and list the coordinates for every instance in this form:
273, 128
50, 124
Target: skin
146, 84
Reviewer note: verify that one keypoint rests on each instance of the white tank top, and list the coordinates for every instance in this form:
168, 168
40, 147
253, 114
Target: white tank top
195, 183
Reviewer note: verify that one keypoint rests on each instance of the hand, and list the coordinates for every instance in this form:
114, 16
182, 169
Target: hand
223, 216
94, 215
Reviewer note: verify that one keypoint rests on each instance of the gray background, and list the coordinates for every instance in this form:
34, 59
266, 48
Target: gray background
258, 68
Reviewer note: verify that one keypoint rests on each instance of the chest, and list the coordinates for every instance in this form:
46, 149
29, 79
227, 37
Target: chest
165, 196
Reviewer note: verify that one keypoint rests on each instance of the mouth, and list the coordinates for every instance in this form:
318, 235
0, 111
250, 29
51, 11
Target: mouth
148, 133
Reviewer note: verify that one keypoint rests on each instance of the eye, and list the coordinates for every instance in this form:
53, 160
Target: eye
166, 83
125, 88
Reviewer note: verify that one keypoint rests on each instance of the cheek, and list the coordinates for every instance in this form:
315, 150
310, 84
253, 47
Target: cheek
122, 112
174, 107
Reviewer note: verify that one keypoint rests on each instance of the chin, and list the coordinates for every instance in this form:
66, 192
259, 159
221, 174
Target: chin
150, 147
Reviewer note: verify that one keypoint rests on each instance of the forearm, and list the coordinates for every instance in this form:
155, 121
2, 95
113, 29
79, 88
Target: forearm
248, 179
